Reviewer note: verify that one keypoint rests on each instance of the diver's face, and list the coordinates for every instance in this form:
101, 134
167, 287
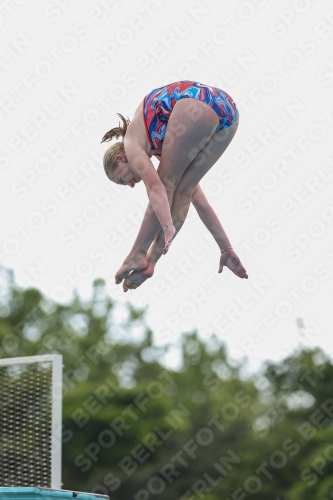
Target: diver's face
124, 173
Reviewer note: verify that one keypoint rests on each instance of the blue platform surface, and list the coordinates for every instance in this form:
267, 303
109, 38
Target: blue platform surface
36, 493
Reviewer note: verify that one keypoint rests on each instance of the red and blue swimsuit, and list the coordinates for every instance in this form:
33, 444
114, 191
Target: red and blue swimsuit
159, 103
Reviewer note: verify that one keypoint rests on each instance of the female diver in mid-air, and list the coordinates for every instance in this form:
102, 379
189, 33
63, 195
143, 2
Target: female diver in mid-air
188, 126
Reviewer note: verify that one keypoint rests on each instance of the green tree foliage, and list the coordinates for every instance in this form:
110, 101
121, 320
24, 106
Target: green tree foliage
134, 429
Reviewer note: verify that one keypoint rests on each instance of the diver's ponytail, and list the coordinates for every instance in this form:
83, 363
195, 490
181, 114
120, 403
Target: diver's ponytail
117, 132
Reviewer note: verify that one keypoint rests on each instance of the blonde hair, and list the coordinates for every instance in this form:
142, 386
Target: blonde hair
109, 159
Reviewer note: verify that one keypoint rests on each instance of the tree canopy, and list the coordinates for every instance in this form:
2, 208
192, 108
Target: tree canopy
132, 428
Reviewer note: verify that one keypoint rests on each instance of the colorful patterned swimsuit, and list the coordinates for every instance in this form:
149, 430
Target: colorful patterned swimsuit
159, 103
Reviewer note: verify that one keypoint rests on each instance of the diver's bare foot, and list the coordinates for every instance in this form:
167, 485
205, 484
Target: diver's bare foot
135, 263
136, 278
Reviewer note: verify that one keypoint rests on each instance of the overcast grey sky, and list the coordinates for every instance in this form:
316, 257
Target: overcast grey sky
68, 67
